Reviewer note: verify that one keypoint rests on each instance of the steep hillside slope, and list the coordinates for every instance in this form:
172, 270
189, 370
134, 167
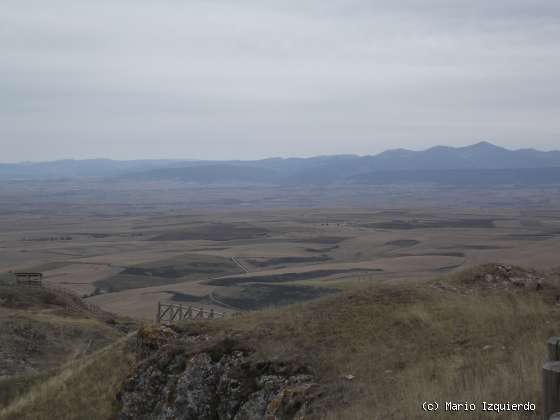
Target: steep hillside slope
84, 388
40, 331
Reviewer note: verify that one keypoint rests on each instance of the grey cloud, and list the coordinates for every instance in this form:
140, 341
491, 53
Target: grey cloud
216, 79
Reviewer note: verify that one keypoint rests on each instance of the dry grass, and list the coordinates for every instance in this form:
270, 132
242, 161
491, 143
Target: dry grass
41, 343
407, 344
83, 389
45, 341
404, 343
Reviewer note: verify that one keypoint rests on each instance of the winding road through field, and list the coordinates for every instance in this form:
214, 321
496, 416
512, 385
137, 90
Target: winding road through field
240, 264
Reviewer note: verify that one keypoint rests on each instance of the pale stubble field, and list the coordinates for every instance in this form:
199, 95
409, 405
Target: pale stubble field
249, 259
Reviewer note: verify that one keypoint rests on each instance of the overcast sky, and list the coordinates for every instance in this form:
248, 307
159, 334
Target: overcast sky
207, 79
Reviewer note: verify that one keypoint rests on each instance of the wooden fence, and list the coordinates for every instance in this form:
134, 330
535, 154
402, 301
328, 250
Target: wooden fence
72, 300
172, 312
75, 302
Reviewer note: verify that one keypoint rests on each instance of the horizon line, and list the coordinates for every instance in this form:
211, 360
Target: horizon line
480, 143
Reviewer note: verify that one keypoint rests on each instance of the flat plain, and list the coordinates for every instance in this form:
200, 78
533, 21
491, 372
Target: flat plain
245, 260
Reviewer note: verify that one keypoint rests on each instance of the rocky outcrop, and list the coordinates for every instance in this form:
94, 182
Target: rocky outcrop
496, 277
203, 378
500, 276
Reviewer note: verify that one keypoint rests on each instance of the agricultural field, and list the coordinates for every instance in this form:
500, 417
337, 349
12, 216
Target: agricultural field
246, 260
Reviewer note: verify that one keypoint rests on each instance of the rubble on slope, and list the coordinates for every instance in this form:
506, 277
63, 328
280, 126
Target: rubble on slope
494, 277
507, 276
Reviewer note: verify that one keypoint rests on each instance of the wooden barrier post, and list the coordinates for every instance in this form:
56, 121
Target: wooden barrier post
553, 347
551, 388
551, 381
158, 319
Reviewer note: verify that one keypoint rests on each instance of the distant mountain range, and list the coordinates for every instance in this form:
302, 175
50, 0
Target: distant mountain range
479, 164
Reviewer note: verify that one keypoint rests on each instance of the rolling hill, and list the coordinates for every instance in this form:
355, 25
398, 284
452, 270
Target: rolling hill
481, 163
374, 351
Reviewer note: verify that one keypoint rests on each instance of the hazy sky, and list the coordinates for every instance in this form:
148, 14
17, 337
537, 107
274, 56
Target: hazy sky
256, 78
